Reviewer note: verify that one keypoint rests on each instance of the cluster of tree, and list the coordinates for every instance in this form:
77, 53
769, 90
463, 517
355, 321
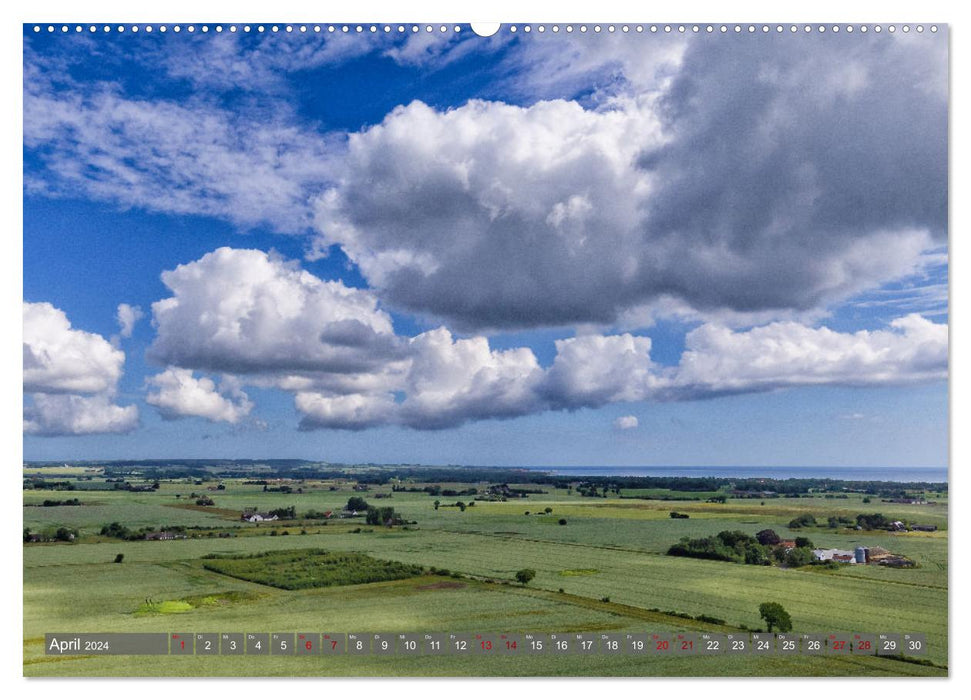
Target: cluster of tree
461, 505
717, 499
61, 534
69, 502
437, 490
867, 521
592, 490
315, 515
764, 549
288, 513
506, 491
383, 516
678, 516
205, 501
727, 545
44, 485
121, 532
873, 521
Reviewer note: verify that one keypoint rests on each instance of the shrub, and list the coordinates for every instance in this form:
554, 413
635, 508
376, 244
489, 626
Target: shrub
119, 558
524, 576
562, 521
804, 520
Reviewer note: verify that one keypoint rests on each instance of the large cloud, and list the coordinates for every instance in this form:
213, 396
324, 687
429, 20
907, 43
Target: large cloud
54, 415
272, 324
718, 360
177, 393
450, 381
59, 359
761, 175
497, 215
71, 376
245, 311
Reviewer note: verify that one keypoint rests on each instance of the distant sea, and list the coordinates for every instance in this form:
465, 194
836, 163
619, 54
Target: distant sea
930, 474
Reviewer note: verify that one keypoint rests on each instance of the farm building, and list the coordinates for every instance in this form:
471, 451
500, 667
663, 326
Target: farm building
253, 517
843, 556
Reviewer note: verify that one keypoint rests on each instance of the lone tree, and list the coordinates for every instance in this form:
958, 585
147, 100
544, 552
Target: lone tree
119, 558
357, 503
775, 616
524, 576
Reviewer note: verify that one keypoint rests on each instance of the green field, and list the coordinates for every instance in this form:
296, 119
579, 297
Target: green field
604, 570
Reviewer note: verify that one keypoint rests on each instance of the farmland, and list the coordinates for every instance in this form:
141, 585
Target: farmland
604, 570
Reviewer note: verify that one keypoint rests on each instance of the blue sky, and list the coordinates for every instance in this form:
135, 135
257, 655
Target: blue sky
527, 249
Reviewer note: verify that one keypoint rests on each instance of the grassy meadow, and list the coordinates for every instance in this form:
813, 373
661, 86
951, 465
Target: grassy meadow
604, 570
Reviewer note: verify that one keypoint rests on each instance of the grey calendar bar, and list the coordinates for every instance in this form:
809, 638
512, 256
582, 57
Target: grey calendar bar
329, 644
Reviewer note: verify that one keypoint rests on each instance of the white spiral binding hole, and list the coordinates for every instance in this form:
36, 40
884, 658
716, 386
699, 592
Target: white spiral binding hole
512, 29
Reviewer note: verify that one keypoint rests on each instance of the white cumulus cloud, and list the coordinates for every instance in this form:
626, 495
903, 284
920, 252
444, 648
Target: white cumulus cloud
625, 422
269, 323
71, 377
720, 360
178, 393
53, 415
693, 180
127, 316
61, 359
245, 311
593, 370
451, 381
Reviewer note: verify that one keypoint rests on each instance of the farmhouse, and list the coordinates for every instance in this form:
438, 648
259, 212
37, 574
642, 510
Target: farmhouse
254, 517
838, 555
